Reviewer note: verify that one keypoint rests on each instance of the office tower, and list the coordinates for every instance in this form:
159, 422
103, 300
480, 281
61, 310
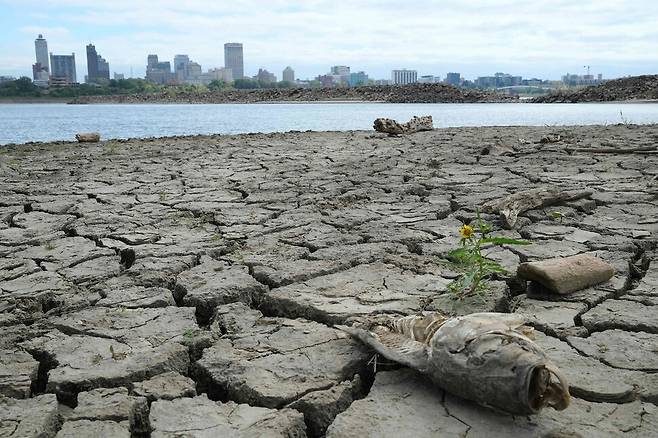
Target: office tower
98, 69
453, 79
158, 72
63, 67
234, 59
265, 76
357, 79
288, 74
404, 77
151, 61
340, 70
181, 67
41, 49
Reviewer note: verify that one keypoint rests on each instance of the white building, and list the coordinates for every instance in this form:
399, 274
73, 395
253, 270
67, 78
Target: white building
404, 77
429, 79
288, 74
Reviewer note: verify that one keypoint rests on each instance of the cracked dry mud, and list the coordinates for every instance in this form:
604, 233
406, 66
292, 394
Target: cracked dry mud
188, 286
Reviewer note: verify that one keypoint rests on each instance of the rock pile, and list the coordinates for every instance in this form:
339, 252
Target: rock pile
633, 88
415, 93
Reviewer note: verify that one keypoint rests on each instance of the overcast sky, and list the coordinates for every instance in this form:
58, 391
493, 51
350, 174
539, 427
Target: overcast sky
530, 38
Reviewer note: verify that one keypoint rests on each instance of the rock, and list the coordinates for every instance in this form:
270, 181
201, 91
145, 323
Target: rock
275, 361
136, 297
29, 418
199, 417
621, 349
621, 314
100, 429
112, 405
321, 407
567, 274
18, 372
362, 290
213, 283
166, 386
416, 124
88, 137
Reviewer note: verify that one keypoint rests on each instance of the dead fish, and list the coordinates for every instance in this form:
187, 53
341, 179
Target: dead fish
484, 357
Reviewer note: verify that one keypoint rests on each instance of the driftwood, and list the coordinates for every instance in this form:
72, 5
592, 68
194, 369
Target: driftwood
484, 357
637, 150
416, 124
88, 137
511, 206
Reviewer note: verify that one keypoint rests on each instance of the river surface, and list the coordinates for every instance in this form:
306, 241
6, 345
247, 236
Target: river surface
21, 123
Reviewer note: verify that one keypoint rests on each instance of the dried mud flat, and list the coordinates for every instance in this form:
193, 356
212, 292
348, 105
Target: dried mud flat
188, 286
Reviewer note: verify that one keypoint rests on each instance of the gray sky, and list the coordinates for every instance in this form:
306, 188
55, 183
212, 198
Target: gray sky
533, 39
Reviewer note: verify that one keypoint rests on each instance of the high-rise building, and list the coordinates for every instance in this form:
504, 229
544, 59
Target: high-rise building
98, 69
404, 77
234, 59
41, 49
158, 72
288, 74
357, 79
265, 76
340, 70
453, 79
181, 67
41, 69
63, 67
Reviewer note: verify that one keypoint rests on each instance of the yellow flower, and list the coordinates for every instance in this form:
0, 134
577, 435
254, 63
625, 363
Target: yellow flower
466, 231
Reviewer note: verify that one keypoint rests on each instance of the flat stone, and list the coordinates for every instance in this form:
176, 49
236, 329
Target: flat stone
557, 318
100, 429
166, 386
93, 270
112, 404
63, 253
621, 349
18, 371
362, 290
199, 417
42, 222
136, 297
568, 274
213, 283
400, 403
29, 418
621, 314
321, 407
275, 361
12, 268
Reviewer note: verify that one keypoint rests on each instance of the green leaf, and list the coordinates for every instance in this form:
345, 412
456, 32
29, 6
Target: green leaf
493, 266
504, 241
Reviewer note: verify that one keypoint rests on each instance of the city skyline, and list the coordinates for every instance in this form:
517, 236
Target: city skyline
537, 40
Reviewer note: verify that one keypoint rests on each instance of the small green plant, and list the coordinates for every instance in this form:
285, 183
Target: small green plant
189, 333
475, 266
49, 246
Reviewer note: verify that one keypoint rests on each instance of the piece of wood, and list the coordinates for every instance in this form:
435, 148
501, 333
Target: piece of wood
88, 137
391, 127
511, 206
568, 274
640, 149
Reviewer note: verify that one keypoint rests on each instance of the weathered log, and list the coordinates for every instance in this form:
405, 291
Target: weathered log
511, 206
606, 150
568, 274
391, 127
88, 137
484, 357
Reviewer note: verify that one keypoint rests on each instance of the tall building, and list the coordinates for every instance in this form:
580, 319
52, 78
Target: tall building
265, 76
357, 79
288, 74
234, 59
63, 68
41, 49
453, 79
158, 72
404, 77
151, 61
181, 67
340, 70
98, 69
41, 69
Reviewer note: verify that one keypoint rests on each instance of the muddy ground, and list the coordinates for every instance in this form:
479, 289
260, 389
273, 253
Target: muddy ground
188, 286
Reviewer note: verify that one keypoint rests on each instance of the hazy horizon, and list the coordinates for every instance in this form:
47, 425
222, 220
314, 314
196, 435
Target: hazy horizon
541, 39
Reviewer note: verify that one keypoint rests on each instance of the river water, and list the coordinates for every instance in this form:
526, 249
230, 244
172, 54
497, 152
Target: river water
21, 123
